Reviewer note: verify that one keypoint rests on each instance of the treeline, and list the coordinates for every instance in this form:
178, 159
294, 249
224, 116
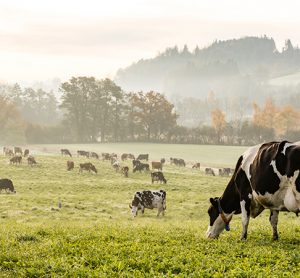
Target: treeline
92, 110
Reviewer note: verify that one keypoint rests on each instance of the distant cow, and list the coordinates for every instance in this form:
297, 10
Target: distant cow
65, 152
141, 167
94, 155
196, 166
70, 165
116, 165
143, 157
83, 153
163, 160
7, 151
135, 162
125, 156
224, 172
209, 171
148, 199
7, 185
125, 171
177, 161
26, 152
159, 177
18, 150
87, 167
156, 165
31, 160
16, 160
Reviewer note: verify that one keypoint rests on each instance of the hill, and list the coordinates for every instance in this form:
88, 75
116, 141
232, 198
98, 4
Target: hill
232, 67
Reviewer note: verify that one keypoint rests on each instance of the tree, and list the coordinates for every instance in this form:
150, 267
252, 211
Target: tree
218, 122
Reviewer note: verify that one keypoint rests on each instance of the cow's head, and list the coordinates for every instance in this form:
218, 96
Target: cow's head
93, 168
135, 206
217, 223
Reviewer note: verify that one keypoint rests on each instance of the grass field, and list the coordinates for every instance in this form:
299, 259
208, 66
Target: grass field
94, 235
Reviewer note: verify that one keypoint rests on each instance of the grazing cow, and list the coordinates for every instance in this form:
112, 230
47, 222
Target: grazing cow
83, 153
177, 161
196, 166
162, 160
7, 185
125, 171
18, 150
143, 157
266, 176
209, 171
31, 160
87, 167
135, 162
7, 151
26, 152
65, 152
224, 172
148, 199
141, 167
125, 156
15, 160
156, 165
116, 165
158, 176
70, 165
94, 155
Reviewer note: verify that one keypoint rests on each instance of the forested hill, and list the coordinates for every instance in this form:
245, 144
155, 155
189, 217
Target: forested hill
225, 67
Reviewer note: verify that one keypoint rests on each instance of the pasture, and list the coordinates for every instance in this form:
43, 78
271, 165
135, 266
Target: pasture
93, 234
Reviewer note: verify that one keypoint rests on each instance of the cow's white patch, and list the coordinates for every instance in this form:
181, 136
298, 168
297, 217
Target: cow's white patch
273, 164
286, 198
248, 158
287, 145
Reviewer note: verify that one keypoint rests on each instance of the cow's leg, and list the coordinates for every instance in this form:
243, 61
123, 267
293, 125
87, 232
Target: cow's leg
274, 221
245, 208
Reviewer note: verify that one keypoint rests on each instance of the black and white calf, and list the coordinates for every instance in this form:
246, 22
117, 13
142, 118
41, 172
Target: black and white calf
148, 199
266, 177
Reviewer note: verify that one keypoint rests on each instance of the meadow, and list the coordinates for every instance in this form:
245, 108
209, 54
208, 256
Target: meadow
94, 235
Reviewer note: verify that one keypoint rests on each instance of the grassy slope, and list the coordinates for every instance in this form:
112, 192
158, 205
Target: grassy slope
93, 233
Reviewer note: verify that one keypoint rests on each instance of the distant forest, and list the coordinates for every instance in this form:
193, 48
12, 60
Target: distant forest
232, 92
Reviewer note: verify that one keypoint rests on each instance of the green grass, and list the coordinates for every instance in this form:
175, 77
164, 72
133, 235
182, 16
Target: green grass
94, 235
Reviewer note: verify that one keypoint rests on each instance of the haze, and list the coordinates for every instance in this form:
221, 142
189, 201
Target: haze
46, 39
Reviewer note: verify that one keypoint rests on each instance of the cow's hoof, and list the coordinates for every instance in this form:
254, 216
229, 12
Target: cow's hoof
275, 237
243, 237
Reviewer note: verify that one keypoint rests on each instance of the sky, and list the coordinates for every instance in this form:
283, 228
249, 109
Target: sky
41, 40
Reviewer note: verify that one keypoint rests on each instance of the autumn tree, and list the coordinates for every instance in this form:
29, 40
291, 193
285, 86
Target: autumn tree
218, 122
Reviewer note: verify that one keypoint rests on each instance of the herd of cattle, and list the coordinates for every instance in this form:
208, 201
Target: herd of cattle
266, 176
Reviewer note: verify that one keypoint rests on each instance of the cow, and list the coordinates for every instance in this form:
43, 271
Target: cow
31, 160
156, 165
135, 163
15, 160
116, 165
70, 165
143, 157
7, 185
177, 161
141, 167
87, 167
162, 160
18, 150
266, 176
65, 152
224, 172
158, 176
125, 171
94, 155
196, 166
83, 153
7, 151
125, 156
209, 171
26, 152
148, 199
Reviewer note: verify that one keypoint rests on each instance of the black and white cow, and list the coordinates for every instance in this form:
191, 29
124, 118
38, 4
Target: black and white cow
158, 176
266, 177
148, 199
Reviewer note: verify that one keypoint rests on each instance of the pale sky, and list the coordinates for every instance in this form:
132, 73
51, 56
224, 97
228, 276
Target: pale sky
41, 39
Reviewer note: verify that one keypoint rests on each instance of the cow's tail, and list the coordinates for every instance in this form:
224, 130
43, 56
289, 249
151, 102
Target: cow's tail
164, 200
